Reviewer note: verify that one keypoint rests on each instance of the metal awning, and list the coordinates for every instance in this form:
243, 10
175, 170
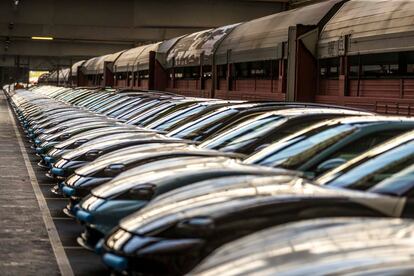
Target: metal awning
95, 66
52, 76
369, 26
127, 60
63, 75
164, 48
142, 61
135, 59
75, 67
188, 50
263, 38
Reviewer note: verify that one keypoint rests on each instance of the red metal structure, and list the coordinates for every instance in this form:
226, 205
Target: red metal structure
366, 57
356, 53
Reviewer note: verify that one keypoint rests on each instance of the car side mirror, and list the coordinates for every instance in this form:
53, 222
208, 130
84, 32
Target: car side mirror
64, 136
114, 169
329, 165
80, 142
93, 154
259, 148
143, 192
203, 226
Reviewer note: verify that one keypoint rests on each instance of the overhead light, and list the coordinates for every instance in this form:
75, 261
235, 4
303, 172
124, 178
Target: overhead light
42, 38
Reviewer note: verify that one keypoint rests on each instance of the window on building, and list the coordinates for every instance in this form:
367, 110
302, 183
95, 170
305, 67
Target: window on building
222, 71
256, 70
207, 72
121, 76
187, 73
144, 74
329, 68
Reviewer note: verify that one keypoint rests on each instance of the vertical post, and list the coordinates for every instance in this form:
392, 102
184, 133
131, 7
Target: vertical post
229, 75
281, 88
151, 71
202, 85
359, 74
173, 73
291, 66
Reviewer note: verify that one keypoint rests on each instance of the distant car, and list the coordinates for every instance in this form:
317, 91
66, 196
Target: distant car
46, 143
75, 141
172, 238
111, 165
334, 246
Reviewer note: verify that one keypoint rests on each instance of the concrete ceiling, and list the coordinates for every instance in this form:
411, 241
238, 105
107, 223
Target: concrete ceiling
86, 28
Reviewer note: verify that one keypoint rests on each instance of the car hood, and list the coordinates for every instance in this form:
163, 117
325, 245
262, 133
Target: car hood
323, 247
76, 128
94, 133
75, 115
207, 167
77, 122
217, 204
110, 140
135, 153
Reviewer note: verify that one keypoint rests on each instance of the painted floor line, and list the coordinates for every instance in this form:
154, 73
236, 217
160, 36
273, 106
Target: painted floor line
61, 258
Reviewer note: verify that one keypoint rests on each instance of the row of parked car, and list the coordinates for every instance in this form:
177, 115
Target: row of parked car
166, 184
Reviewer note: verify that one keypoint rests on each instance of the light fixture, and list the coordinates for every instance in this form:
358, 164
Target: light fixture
42, 38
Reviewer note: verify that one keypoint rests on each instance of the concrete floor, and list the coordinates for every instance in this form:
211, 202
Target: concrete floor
25, 241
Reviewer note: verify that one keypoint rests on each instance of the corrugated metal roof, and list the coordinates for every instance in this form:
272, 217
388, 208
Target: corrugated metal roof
188, 50
142, 61
52, 76
63, 75
164, 48
372, 26
262, 39
75, 67
96, 65
127, 60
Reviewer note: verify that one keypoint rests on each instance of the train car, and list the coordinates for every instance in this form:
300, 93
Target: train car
63, 77
132, 68
259, 58
190, 62
366, 57
98, 71
76, 76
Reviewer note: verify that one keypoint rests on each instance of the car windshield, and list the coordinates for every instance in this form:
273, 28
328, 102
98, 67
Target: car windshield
240, 135
195, 129
369, 172
398, 184
165, 125
149, 113
167, 112
138, 109
294, 150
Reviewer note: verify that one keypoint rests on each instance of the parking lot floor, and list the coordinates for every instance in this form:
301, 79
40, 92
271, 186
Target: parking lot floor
36, 237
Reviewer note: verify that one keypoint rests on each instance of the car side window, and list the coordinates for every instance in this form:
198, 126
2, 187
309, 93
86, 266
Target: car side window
359, 146
292, 127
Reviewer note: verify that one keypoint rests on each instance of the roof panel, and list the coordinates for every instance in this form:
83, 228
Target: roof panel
96, 65
261, 39
373, 26
188, 50
127, 60
75, 67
